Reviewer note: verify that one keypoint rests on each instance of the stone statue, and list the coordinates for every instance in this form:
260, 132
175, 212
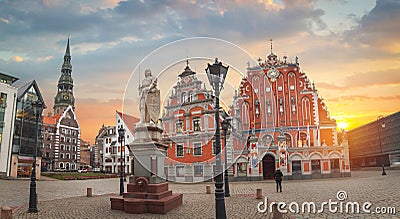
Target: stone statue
149, 99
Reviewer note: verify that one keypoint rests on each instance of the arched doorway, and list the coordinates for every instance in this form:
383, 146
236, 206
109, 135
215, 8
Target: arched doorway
268, 164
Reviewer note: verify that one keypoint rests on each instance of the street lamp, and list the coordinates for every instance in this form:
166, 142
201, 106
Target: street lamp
216, 74
225, 125
37, 110
382, 124
121, 138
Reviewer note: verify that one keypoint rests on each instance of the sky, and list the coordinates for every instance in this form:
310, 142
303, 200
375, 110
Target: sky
349, 48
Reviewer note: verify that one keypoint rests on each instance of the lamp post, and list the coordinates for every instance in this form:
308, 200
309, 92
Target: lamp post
37, 110
121, 138
225, 125
216, 74
381, 125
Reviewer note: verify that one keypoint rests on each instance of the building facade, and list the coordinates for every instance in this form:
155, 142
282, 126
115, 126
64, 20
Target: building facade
23, 146
107, 142
285, 124
61, 140
61, 149
189, 128
376, 142
8, 100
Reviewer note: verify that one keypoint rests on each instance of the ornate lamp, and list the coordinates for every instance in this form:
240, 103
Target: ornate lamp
216, 74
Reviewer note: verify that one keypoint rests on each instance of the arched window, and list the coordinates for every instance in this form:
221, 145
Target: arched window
196, 124
256, 84
305, 107
288, 140
184, 97
245, 113
62, 165
302, 140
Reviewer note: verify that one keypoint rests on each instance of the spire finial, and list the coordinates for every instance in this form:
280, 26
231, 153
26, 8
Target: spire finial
187, 60
67, 53
271, 44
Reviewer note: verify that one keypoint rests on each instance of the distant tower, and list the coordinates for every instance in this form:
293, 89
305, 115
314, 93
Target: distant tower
65, 96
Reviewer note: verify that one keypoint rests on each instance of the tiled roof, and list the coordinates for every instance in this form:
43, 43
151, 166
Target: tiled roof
129, 120
51, 119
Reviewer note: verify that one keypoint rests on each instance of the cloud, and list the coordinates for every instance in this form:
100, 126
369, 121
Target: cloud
371, 78
379, 28
17, 59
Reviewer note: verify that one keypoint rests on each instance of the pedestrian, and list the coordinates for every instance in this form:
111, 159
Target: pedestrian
278, 179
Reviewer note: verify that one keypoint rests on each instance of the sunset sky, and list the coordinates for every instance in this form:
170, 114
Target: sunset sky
349, 48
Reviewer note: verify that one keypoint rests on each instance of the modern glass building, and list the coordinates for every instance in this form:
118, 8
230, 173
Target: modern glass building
25, 130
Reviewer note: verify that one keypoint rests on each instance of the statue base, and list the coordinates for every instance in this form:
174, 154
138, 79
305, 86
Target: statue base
143, 197
149, 193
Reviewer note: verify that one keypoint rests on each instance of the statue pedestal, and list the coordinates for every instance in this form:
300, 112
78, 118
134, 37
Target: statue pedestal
149, 193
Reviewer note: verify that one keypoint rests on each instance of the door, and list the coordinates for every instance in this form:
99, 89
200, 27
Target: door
268, 166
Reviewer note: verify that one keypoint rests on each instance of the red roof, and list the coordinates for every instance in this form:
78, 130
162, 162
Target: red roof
129, 120
52, 120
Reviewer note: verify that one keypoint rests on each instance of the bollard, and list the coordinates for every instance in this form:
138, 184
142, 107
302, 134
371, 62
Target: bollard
275, 213
208, 189
89, 192
6, 213
259, 194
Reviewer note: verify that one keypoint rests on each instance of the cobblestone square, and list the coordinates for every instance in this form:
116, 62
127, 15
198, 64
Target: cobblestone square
66, 199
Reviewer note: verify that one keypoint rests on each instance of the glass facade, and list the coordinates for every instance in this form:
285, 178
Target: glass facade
25, 126
3, 105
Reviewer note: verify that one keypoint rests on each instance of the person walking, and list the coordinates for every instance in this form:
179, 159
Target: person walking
278, 179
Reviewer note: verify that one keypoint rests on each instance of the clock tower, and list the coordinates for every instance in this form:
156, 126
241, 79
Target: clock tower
65, 96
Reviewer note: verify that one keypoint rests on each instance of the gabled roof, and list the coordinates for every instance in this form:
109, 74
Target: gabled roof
129, 120
24, 88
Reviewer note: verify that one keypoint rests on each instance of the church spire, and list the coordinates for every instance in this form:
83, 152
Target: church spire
65, 96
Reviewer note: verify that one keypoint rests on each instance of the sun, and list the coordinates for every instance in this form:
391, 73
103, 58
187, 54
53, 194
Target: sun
342, 125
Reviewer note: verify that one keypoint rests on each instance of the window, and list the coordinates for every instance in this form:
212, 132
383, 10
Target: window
61, 165
63, 131
179, 150
73, 148
47, 154
242, 169
62, 147
198, 170
316, 166
68, 148
280, 88
335, 166
73, 157
67, 156
48, 146
288, 140
179, 126
196, 124
268, 89
74, 140
68, 140
184, 97
62, 156
180, 171
214, 148
197, 149
296, 167
291, 87
62, 139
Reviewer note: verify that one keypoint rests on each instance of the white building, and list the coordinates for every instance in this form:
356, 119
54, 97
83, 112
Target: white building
107, 143
8, 98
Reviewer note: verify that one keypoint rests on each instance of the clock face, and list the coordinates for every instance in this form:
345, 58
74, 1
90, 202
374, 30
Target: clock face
65, 97
273, 74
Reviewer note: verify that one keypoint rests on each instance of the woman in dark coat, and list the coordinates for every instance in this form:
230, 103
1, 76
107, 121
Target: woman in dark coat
278, 179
